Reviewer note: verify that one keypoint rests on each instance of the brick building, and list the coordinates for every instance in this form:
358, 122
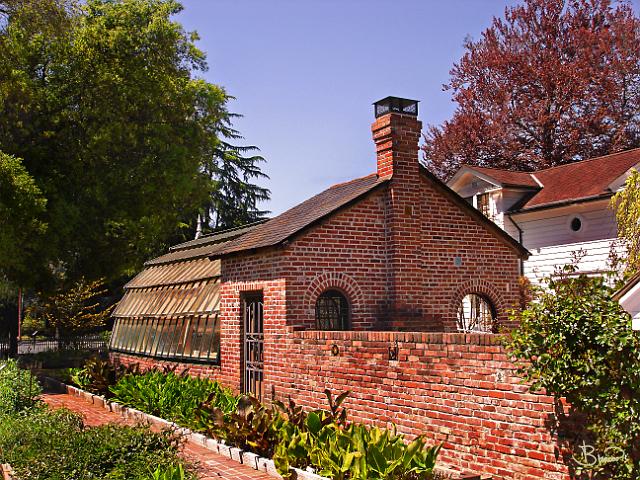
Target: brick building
374, 286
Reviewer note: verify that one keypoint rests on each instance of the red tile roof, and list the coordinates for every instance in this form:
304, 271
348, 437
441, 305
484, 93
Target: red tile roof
581, 180
568, 183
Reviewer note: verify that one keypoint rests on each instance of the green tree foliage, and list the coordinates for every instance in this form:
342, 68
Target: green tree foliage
548, 83
576, 342
73, 310
626, 204
21, 216
127, 144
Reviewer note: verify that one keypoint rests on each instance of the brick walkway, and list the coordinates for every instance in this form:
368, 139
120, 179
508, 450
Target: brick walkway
209, 465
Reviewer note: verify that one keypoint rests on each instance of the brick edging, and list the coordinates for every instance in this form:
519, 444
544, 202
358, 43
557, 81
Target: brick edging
250, 459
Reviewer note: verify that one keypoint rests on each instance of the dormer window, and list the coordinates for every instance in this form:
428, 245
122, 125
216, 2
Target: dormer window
484, 204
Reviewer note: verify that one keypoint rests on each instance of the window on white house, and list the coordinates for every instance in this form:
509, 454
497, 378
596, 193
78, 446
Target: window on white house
332, 311
484, 204
476, 314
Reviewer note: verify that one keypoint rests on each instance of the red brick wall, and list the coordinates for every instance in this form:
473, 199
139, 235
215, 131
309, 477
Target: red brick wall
454, 388
147, 363
346, 252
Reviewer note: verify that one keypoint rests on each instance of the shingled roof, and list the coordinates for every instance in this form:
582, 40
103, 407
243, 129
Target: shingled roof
578, 181
311, 211
279, 229
301, 216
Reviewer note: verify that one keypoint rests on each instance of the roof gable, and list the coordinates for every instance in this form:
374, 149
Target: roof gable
578, 181
499, 178
285, 225
473, 212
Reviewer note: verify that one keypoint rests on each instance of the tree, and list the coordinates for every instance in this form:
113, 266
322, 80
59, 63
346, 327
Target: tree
553, 82
576, 342
73, 310
22, 209
101, 101
626, 204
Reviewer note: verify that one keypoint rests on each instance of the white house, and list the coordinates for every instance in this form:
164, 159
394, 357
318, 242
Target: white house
629, 298
556, 213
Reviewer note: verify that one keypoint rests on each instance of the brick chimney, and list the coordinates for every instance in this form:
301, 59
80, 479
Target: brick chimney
396, 132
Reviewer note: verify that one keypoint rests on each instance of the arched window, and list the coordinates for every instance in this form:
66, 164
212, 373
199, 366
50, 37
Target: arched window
332, 311
476, 314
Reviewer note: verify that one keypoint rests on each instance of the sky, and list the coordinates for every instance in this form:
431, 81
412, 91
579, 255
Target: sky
305, 73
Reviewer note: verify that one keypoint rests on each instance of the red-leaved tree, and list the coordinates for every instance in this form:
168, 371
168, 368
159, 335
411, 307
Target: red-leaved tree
552, 82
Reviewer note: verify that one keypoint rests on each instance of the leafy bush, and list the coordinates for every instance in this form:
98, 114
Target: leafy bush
48, 444
354, 452
576, 342
252, 426
336, 449
97, 375
19, 389
169, 473
171, 396
321, 439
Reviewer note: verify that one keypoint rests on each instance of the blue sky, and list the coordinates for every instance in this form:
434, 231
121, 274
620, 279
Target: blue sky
305, 73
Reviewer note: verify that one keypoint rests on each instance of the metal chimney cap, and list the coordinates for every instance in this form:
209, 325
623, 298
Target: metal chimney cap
403, 106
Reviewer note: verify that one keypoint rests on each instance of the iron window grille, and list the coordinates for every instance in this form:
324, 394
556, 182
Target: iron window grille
192, 339
476, 314
332, 311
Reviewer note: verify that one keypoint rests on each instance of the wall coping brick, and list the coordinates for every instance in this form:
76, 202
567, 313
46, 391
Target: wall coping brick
405, 337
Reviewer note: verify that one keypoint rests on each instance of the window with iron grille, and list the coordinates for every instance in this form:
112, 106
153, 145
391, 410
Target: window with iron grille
332, 311
476, 314
194, 339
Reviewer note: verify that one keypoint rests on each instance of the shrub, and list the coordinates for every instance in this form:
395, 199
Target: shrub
171, 396
48, 444
321, 439
576, 342
19, 389
96, 376
336, 449
252, 426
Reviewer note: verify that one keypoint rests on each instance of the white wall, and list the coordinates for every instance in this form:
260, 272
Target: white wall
552, 243
544, 261
550, 227
631, 303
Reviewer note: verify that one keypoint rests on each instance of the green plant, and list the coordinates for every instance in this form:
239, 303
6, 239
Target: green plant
352, 452
575, 342
626, 204
54, 444
323, 440
252, 426
168, 473
19, 389
96, 376
171, 396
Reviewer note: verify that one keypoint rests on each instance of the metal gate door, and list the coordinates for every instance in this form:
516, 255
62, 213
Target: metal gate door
253, 345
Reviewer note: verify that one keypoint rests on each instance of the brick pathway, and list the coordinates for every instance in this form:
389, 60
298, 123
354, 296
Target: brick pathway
209, 465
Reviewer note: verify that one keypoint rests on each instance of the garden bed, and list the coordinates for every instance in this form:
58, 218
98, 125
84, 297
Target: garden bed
246, 458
